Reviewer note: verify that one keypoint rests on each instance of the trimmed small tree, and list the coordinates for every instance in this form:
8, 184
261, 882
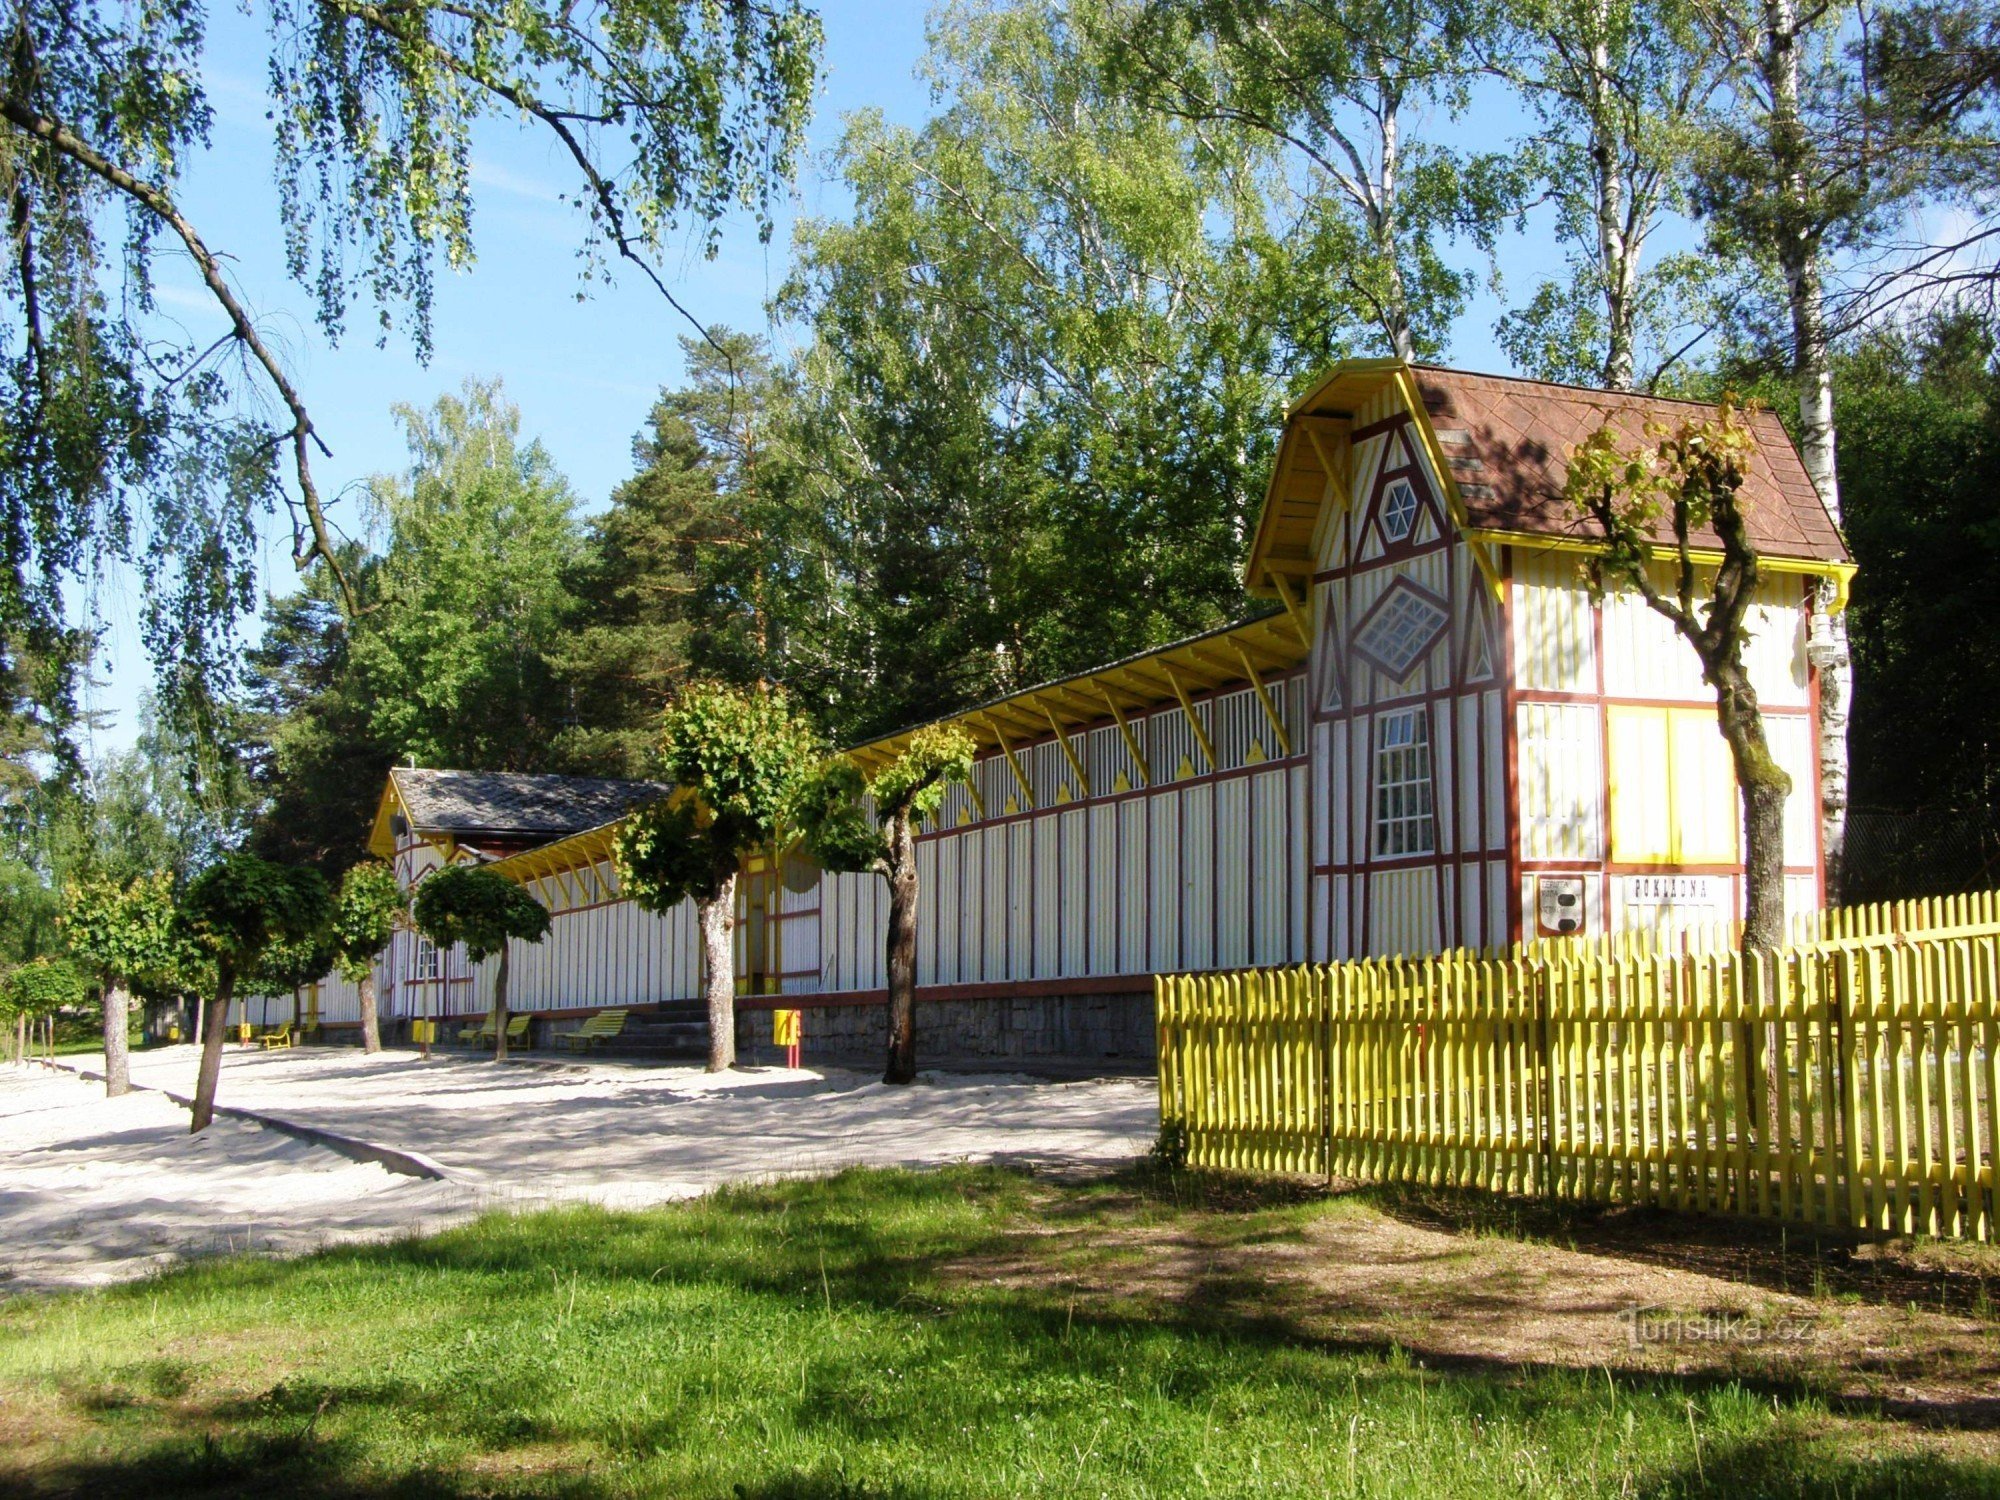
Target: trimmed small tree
1691, 474
293, 964
366, 911
838, 831
39, 988
233, 912
737, 758
124, 932
469, 905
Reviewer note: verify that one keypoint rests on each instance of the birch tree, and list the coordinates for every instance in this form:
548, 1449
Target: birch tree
1803, 182
1620, 90
1340, 86
129, 435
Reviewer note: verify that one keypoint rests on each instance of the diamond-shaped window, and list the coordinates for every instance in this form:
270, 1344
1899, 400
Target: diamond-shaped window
1399, 510
1402, 627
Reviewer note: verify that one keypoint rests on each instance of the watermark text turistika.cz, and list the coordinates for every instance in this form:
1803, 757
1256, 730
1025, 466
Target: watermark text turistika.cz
1665, 1325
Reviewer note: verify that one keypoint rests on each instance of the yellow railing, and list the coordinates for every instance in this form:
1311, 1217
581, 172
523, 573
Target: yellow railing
1852, 1080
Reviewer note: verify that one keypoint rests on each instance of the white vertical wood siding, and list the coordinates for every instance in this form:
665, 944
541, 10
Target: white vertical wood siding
1195, 872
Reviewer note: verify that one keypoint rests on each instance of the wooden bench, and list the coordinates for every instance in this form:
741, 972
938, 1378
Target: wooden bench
517, 1030
282, 1037
601, 1027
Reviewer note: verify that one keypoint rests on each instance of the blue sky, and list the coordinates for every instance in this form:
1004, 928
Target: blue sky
582, 372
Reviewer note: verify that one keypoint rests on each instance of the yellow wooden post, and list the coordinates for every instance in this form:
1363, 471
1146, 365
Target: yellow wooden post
1293, 608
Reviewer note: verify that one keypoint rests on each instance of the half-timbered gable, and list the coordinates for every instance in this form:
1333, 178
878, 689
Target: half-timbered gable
1496, 755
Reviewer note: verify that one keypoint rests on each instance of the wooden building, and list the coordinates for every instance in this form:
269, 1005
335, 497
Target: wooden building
1434, 739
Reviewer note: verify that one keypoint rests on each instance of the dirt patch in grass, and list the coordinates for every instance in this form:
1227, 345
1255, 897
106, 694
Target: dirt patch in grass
1902, 1331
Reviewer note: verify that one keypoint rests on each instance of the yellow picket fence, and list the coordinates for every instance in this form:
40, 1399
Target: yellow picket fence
1852, 1080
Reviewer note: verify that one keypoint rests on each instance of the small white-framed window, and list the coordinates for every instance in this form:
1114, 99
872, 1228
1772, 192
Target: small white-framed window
1399, 510
1405, 822
427, 958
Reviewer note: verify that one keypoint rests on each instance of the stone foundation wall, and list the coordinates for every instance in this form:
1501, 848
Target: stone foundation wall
1062, 1033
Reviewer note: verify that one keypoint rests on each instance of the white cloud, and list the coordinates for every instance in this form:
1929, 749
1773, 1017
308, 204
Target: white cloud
503, 180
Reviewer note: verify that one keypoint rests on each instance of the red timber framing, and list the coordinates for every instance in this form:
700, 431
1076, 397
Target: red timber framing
1212, 803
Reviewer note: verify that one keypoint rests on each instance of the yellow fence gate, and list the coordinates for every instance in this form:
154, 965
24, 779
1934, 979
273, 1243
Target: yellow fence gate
1850, 1079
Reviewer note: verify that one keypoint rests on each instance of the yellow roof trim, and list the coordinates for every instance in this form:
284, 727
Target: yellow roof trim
1345, 369
577, 852
1406, 382
1142, 682
1839, 574
1257, 573
382, 842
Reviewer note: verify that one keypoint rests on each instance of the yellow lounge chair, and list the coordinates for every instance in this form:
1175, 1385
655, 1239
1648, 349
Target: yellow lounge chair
601, 1027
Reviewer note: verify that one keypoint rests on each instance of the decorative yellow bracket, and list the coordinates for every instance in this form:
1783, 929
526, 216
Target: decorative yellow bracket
1020, 779
1194, 723
1263, 697
1131, 742
1082, 781
1294, 609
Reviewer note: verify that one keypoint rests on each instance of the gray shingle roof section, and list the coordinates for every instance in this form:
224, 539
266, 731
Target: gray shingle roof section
511, 802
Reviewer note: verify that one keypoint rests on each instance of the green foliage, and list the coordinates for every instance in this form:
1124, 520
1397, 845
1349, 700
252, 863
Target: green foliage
664, 854
835, 826
1045, 351
740, 751
125, 930
291, 964
469, 905
695, 569
366, 910
737, 757
128, 436
1169, 1150
453, 661
42, 986
1920, 463
242, 905
1343, 93
375, 110
1687, 475
467, 601
317, 757
29, 912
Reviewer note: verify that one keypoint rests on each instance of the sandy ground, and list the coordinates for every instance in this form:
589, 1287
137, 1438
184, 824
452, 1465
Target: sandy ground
95, 1190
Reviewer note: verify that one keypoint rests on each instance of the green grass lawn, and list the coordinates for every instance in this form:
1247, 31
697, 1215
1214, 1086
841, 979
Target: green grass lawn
874, 1334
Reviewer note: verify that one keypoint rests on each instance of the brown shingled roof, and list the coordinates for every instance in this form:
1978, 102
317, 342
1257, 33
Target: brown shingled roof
508, 803
1508, 443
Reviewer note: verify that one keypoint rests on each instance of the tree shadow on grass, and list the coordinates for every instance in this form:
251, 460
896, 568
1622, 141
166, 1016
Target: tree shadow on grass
1789, 1259
865, 1245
